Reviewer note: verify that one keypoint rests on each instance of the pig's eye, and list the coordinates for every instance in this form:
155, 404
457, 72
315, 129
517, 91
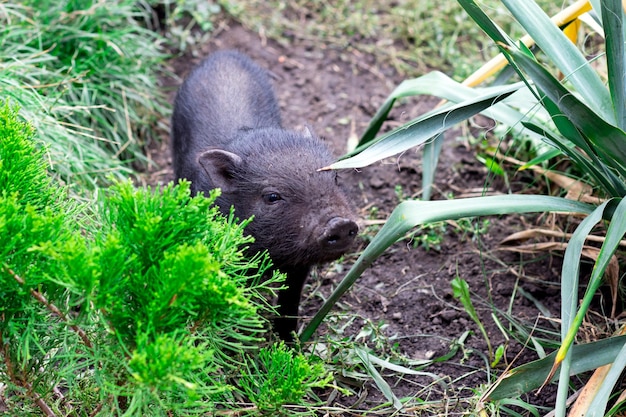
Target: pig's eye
272, 198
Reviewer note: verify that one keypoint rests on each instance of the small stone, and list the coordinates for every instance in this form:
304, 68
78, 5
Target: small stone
449, 315
377, 182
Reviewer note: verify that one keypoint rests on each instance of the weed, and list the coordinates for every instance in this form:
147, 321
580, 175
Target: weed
429, 236
460, 290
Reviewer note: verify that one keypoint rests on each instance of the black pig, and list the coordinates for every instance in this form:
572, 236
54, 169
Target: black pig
227, 134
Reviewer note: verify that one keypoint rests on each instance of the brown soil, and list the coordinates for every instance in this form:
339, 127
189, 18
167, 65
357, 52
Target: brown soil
336, 92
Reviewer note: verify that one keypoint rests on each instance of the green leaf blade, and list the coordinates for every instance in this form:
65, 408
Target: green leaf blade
564, 55
530, 376
613, 23
422, 129
409, 214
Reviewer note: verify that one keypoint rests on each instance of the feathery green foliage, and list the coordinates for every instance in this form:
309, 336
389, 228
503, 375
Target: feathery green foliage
279, 377
144, 304
18, 159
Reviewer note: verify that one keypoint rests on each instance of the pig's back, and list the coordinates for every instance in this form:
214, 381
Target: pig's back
225, 94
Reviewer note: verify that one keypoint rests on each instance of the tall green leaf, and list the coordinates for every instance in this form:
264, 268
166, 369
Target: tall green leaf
422, 129
613, 18
601, 399
412, 213
440, 85
614, 234
564, 54
569, 292
528, 377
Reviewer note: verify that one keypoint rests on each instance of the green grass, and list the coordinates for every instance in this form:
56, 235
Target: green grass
86, 74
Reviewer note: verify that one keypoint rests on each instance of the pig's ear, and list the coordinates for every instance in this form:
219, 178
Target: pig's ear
220, 165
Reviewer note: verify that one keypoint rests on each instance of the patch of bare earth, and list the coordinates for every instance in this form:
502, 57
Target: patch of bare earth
336, 92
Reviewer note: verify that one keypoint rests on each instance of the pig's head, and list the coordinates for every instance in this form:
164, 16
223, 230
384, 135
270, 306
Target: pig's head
301, 216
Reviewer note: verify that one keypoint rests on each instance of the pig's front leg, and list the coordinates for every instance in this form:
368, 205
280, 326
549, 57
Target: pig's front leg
289, 302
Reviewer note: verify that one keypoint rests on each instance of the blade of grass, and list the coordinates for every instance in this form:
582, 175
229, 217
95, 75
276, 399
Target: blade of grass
601, 399
569, 293
614, 234
380, 382
541, 158
409, 214
460, 291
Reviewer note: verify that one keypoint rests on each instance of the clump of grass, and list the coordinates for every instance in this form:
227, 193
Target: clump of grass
85, 73
188, 23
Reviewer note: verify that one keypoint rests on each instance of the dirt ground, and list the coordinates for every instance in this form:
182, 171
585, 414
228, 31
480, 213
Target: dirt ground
336, 92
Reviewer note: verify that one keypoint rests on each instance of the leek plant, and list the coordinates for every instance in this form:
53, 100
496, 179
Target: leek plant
581, 118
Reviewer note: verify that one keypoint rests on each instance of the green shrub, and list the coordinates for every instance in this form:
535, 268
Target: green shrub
142, 303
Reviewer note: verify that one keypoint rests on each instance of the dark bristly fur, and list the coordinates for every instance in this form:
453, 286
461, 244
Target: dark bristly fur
227, 133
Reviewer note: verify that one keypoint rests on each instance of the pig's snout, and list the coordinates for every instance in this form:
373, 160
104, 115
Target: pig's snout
339, 234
